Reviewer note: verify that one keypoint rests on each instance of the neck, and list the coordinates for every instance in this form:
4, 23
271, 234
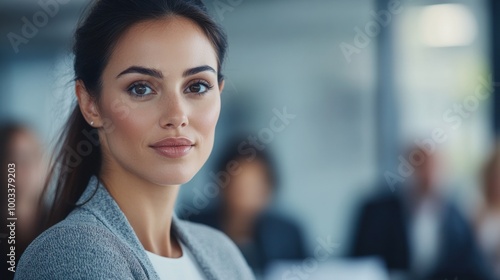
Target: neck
148, 207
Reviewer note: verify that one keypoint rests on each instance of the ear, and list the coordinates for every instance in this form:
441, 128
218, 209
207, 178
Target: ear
221, 85
87, 104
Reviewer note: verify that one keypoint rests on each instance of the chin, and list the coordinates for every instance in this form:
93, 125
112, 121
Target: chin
173, 176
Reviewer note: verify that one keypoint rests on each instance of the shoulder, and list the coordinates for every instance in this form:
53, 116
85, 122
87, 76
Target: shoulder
278, 220
278, 227
455, 217
75, 249
384, 202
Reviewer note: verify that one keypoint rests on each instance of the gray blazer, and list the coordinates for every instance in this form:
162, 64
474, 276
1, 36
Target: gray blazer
96, 241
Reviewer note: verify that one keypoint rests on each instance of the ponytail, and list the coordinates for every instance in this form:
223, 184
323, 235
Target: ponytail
77, 158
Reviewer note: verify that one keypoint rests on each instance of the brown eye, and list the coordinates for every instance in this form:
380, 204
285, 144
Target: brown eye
140, 90
198, 88
195, 88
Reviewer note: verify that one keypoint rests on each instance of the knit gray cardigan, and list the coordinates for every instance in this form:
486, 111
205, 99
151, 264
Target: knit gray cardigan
96, 241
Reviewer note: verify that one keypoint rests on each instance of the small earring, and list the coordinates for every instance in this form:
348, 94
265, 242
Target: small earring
92, 123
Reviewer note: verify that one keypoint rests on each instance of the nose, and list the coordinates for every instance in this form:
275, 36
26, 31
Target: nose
173, 112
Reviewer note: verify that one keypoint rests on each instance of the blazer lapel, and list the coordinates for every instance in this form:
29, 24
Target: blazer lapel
97, 200
193, 243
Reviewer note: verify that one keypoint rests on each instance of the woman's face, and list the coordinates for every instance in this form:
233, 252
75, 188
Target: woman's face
249, 191
160, 84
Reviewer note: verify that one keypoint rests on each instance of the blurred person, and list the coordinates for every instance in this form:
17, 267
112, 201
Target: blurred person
20, 146
243, 212
488, 219
148, 83
420, 231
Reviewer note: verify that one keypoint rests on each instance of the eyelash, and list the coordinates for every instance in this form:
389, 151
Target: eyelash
203, 83
145, 84
140, 83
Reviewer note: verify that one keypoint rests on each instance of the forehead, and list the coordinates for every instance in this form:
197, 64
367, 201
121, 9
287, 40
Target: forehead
169, 44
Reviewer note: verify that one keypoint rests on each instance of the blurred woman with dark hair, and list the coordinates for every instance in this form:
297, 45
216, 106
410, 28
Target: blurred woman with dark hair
20, 146
488, 221
244, 214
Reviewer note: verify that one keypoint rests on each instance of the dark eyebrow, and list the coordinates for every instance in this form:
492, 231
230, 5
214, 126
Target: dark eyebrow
142, 70
197, 70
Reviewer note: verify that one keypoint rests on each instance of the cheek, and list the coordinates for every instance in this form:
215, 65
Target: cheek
127, 128
205, 118
127, 124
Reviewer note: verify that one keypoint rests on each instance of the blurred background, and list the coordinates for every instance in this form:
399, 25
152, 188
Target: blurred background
358, 88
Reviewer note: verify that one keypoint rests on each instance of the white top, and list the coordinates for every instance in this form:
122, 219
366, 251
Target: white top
181, 268
424, 235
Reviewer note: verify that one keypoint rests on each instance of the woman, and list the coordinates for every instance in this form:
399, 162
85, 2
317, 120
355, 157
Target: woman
20, 146
148, 83
488, 221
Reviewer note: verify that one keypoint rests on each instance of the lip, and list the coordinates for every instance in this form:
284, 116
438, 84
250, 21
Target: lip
173, 147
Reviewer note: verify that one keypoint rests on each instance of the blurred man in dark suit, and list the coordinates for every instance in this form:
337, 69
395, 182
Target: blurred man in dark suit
418, 230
